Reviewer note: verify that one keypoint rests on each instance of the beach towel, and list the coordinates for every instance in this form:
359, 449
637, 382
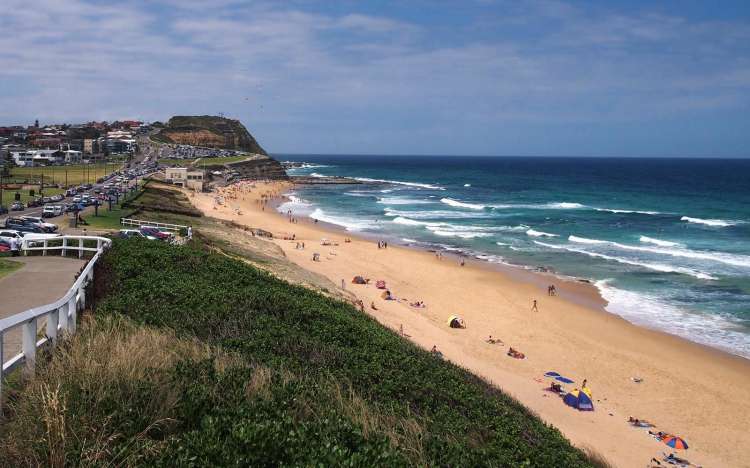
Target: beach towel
380, 284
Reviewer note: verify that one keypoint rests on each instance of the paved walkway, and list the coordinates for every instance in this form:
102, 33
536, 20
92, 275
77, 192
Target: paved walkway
40, 281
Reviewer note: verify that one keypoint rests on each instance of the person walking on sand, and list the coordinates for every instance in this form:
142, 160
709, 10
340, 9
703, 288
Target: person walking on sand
534, 307
343, 284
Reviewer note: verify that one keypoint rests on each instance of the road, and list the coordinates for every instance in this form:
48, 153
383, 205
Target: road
60, 220
42, 280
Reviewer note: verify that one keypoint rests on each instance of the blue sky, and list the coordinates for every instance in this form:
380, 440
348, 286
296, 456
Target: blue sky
480, 77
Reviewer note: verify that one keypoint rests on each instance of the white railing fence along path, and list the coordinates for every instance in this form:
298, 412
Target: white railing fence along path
140, 222
61, 314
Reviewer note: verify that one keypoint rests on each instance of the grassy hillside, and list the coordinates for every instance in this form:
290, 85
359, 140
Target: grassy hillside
231, 366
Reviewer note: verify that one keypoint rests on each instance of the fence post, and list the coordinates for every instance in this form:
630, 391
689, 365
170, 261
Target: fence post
2, 362
29, 346
71, 311
80, 247
74, 311
44, 252
64, 244
53, 317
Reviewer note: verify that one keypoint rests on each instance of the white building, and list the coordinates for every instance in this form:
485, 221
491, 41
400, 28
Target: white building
43, 157
73, 156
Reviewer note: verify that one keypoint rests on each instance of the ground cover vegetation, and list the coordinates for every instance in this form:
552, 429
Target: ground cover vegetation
193, 358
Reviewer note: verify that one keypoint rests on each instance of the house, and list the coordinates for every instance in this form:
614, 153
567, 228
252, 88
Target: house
183, 177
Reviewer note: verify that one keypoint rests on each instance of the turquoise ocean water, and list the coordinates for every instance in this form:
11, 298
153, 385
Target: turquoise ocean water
666, 241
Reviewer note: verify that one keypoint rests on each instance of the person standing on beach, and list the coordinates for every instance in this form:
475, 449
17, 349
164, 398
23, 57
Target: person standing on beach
343, 284
534, 308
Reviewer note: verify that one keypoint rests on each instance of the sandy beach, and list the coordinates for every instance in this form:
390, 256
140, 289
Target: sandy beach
695, 392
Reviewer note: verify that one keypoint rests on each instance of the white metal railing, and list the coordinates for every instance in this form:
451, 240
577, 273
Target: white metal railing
140, 222
60, 315
64, 244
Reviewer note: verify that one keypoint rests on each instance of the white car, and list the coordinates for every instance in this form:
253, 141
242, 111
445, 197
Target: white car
7, 234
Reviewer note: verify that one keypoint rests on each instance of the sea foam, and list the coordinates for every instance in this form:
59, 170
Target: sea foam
460, 204
534, 233
709, 222
350, 224
649, 311
398, 182
670, 249
663, 268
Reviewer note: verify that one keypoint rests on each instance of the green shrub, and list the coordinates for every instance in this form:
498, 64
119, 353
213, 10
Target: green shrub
460, 419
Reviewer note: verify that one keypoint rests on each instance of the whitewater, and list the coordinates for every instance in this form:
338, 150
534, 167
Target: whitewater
657, 238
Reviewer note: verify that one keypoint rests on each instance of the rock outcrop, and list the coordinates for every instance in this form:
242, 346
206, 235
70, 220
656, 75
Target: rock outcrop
258, 167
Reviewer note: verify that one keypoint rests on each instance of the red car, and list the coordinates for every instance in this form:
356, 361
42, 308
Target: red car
155, 232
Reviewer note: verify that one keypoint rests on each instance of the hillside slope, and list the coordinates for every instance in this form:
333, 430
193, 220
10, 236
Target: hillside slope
249, 370
208, 131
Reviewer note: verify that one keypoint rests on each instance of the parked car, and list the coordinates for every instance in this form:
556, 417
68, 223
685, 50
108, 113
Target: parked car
153, 231
21, 225
46, 227
7, 234
129, 233
57, 198
48, 212
3, 210
16, 206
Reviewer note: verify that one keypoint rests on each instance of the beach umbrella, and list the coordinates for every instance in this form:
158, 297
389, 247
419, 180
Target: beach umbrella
579, 401
551, 374
675, 442
562, 379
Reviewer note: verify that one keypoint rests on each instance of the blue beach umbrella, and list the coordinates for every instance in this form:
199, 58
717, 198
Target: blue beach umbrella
551, 374
562, 379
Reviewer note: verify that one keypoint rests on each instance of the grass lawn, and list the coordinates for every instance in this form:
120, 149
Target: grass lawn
9, 195
76, 174
108, 219
7, 266
215, 161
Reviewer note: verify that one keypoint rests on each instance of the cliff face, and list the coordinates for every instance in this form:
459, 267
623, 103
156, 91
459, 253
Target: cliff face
209, 131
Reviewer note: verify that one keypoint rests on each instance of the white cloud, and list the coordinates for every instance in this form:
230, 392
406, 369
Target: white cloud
74, 59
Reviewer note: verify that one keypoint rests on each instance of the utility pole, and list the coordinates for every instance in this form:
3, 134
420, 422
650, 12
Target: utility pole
1, 191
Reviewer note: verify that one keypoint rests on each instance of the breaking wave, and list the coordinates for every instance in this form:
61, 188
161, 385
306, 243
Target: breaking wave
398, 182
709, 222
350, 224
460, 204
534, 233
651, 266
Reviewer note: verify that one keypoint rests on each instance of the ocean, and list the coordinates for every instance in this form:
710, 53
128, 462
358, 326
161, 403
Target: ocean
666, 241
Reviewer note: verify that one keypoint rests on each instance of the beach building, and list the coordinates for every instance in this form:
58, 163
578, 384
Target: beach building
183, 177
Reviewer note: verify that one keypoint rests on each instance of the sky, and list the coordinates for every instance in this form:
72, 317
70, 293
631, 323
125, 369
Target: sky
467, 77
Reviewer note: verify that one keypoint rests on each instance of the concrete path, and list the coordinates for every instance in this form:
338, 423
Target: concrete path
40, 281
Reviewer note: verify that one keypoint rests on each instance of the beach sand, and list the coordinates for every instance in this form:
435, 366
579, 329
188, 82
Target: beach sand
696, 392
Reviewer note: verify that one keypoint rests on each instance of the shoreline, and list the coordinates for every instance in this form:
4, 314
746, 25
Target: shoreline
584, 292
580, 340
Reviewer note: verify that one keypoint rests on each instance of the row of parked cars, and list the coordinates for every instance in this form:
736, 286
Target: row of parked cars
30, 224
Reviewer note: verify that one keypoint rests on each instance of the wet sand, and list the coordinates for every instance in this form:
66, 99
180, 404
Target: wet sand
696, 392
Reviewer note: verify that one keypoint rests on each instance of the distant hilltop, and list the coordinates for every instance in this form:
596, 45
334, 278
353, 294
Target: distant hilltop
208, 131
